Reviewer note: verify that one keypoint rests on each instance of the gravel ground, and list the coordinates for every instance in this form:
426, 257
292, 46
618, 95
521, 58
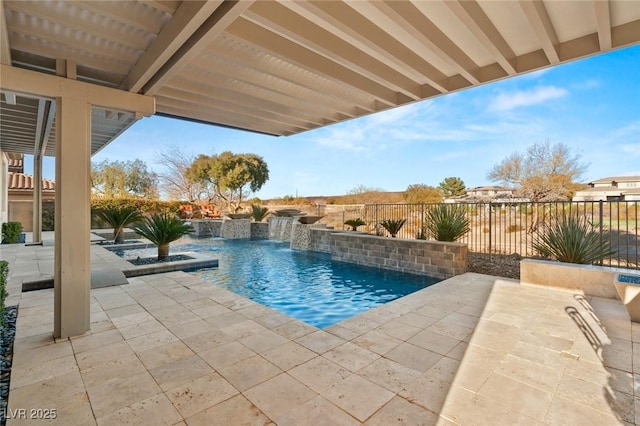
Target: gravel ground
501, 265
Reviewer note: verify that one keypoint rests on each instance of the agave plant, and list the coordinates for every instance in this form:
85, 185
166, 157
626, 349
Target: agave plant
354, 223
572, 239
259, 213
162, 229
393, 226
118, 217
446, 222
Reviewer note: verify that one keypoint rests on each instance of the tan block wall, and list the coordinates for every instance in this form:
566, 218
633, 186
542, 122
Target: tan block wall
591, 280
433, 258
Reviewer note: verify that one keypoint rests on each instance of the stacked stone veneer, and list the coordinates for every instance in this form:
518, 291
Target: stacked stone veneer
301, 237
434, 258
236, 229
321, 240
207, 228
259, 230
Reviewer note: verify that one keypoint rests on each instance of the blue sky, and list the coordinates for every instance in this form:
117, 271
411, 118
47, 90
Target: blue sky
591, 105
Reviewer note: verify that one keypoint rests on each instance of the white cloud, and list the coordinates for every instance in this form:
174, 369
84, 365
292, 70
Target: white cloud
538, 95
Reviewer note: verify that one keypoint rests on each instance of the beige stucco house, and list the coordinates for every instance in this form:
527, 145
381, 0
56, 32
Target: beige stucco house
485, 194
616, 188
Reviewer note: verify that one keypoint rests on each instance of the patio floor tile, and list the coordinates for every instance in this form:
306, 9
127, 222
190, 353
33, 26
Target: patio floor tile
357, 396
200, 394
235, 410
279, 396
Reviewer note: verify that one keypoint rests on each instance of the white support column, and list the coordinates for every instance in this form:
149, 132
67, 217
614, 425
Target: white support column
4, 191
72, 220
37, 199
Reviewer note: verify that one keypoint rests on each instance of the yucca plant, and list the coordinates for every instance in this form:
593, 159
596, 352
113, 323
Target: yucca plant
259, 213
118, 217
162, 229
446, 222
572, 239
393, 226
354, 223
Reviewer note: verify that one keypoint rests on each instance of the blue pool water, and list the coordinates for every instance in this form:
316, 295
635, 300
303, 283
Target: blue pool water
304, 285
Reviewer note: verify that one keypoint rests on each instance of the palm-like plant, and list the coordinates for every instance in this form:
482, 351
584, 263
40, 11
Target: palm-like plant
118, 217
162, 229
446, 222
573, 239
354, 223
393, 226
259, 213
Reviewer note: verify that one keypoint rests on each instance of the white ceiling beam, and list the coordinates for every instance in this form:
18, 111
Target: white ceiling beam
53, 14
120, 12
317, 39
222, 17
294, 53
539, 20
187, 19
245, 94
36, 83
473, 17
165, 6
603, 23
5, 48
397, 26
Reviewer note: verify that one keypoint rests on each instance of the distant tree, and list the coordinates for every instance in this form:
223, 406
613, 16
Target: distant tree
119, 179
231, 176
420, 193
546, 172
361, 189
452, 187
173, 179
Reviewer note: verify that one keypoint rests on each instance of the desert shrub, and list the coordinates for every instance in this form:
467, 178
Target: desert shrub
48, 216
259, 213
162, 229
573, 239
354, 223
514, 228
11, 232
446, 222
393, 226
118, 217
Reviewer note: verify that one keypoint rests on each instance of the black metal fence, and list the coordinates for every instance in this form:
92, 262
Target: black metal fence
507, 228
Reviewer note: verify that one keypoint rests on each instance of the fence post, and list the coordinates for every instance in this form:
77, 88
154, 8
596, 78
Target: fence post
490, 230
600, 221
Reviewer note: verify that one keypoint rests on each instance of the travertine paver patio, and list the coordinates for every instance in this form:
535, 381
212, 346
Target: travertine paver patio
474, 349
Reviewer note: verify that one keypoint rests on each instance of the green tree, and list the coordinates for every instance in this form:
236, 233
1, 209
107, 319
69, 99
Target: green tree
452, 187
421, 193
546, 172
232, 177
120, 179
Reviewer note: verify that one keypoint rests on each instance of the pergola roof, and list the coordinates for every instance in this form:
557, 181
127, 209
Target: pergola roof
281, 68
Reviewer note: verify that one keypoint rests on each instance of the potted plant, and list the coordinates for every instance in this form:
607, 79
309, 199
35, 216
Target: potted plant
162, 229
118, 217
354, 223
259, 213
12, 233
446, 223
393, 226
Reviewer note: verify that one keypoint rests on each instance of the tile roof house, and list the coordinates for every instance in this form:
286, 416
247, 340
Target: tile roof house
20, 197
616, 188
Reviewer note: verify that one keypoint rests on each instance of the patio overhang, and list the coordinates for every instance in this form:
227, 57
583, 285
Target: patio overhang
286, 67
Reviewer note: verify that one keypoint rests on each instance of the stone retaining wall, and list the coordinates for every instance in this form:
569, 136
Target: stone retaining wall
321, 240
207, 228
236, 229
434, 258
259, 230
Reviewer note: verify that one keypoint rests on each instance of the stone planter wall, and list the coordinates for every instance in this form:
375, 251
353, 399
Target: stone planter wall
321, 240
301, 237
236, 229
259, 230
207, 228
433, 258
591, 280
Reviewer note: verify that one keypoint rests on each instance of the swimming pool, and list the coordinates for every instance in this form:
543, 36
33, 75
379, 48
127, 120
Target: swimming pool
304, 285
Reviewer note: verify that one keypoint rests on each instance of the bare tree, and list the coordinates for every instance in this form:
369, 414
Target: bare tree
545, 173
174, 181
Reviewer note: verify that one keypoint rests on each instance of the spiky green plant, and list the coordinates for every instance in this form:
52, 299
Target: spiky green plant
162, 229
118, 217
393, 226
573, 239
259, 213
446, 222
354, 223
